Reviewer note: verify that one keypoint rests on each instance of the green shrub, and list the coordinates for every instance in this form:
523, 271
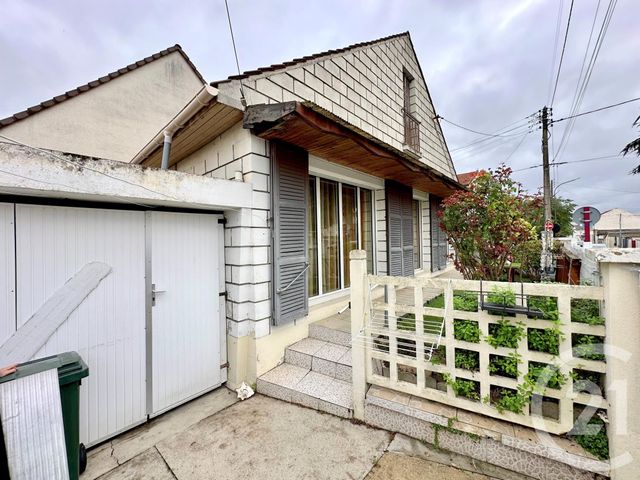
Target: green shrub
547, 340
589, 347
466, 330
462, 300
505, 366
547, 305
463, 388
594, 439
511, 400
550, 374
439, 356
583, 378
505, 334
502, 296
467, 359
585, 310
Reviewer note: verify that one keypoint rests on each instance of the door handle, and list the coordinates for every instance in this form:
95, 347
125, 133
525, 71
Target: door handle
154, 292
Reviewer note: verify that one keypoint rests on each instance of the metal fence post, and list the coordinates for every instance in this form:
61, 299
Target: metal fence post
358, 269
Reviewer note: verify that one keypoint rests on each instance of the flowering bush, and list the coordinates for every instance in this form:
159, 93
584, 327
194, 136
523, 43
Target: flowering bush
487, 224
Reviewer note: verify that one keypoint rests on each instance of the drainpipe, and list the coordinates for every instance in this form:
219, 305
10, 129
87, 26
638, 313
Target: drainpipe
166, 149
201, 99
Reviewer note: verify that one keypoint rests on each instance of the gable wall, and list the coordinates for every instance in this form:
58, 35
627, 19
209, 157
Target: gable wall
363, 86
116, 119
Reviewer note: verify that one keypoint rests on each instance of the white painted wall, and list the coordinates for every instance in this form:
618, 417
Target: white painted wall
363, 86
116, 119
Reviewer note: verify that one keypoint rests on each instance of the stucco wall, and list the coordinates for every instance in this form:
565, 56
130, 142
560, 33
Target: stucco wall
116, 119
363, 86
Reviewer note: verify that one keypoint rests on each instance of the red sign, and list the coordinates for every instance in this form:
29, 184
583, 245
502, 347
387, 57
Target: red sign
548, 226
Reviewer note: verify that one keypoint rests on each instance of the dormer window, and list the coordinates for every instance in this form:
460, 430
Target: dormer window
411, 124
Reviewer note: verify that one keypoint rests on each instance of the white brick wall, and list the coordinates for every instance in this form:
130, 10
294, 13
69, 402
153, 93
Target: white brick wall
247, 234
364, 86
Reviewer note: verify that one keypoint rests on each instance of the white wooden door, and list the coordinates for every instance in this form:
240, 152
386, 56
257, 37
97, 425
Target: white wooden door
185, 325
7, 272
108, 328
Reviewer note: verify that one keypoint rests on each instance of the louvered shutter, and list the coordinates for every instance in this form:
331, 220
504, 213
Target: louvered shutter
438, 237
290, 181
399, 229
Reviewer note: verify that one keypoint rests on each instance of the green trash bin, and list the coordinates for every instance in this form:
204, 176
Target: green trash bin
71, 371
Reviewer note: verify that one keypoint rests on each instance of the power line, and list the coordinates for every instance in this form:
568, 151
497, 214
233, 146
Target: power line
524, 123
596, 110
474, 131
516, 149
580, 160
582, 86
564, 45
235, 52
555, 47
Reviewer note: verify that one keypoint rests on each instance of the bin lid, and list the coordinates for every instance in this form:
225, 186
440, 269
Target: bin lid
71, 368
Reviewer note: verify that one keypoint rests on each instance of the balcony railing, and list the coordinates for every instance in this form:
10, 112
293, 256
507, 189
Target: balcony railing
411, 131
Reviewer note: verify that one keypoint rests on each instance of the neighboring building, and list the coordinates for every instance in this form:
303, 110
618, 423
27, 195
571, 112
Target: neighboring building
344, 151
618, 228
467, 177
113, 116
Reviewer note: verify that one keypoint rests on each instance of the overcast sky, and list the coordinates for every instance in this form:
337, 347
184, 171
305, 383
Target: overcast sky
488, 64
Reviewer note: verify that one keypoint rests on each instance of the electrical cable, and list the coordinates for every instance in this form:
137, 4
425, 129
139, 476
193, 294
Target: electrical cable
555, 48
235, 52
564, 45
596, 110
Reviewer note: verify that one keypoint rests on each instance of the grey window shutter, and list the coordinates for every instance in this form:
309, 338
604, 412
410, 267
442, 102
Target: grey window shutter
290, 181
438, 237
399, 229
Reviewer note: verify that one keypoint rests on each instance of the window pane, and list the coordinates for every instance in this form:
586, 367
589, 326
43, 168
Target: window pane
366, 226
312, 238
349, 227
329, 235
416, 235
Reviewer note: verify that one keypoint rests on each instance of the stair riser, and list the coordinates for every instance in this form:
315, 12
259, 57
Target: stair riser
320, 365
329, 335
282, 393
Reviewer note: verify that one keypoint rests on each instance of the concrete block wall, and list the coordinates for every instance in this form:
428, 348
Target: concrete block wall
363, 86
237, 154
426, 236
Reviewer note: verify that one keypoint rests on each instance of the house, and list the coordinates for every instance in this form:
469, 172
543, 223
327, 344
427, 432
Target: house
344, 151
618, 228
467, 177
113, 116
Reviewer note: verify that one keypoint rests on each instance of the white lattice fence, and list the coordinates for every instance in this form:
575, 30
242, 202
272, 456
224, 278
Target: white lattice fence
404, 352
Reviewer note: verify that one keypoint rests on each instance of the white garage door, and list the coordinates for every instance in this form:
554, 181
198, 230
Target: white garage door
142, 359
108, 328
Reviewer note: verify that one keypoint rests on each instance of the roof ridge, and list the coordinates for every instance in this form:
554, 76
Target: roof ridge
99, 81
306, 58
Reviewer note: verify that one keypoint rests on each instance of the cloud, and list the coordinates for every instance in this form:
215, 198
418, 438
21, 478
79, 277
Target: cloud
488, 64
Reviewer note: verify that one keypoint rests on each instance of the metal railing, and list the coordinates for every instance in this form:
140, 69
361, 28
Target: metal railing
528, 363
411, 131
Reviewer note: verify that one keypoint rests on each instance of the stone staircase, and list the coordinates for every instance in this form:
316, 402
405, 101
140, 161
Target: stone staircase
316, 371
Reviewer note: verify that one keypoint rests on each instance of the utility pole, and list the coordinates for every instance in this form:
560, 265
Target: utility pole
546, 260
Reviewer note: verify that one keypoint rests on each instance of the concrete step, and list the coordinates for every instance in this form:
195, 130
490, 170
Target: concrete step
332, 331
322, 357
311, 389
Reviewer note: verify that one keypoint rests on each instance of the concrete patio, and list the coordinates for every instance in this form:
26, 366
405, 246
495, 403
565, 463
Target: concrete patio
218, 437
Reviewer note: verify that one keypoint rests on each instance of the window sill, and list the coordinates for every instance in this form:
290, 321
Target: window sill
328, 297
411, 151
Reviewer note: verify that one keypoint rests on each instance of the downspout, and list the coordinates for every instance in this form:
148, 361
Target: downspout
166, 150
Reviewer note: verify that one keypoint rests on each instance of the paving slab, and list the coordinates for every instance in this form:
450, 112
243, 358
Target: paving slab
148, 465
395, 466
126, 446
268, 439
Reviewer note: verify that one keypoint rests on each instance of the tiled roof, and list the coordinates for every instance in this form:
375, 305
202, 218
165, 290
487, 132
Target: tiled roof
467, 177
96, 83
304, 59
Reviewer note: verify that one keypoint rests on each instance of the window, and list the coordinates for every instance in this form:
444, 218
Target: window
340, 219
411, 124
417, 229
